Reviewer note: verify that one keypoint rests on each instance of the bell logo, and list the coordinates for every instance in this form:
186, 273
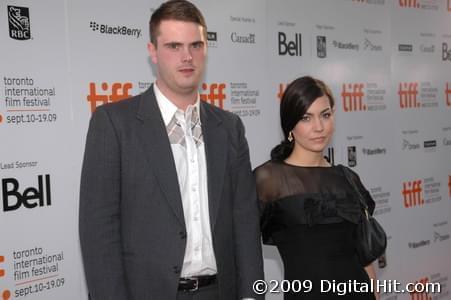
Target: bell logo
292, 48
448, 94
408, 92
215, 94
352, 97
409, 3
282, 88
30, 198
446, 53
119, 91
412, 193
423, 282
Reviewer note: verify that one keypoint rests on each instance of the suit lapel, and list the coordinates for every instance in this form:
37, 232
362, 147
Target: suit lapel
157, 148
215, 138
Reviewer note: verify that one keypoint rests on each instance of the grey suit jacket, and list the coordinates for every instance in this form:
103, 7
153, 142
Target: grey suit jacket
131, 223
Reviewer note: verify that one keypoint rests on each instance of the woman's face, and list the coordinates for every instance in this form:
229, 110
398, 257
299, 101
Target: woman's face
315, 129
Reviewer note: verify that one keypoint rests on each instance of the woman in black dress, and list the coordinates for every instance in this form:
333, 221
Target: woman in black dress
309, 209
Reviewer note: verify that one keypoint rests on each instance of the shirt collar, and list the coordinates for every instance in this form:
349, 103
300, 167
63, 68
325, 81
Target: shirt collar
168, 109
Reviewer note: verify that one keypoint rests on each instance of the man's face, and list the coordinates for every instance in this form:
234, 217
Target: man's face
180, 56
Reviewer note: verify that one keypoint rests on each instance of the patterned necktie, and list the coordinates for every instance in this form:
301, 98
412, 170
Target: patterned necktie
176, 133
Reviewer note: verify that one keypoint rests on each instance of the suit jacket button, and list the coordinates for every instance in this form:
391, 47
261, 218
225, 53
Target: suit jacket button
182, 235
176, 270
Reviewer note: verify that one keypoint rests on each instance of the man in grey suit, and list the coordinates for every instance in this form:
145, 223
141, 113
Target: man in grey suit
168, 207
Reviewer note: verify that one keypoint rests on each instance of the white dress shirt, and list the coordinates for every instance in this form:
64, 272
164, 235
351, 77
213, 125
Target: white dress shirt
190, 163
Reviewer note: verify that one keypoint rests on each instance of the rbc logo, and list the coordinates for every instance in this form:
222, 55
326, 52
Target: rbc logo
352, 97
292, 48
19, 23
118, 92
412, 193
215, 94
30, 198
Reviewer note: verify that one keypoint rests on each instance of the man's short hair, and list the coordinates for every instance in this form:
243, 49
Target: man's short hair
179, 10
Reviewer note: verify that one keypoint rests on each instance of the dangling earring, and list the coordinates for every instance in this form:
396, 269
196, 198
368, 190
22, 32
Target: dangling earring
290, 136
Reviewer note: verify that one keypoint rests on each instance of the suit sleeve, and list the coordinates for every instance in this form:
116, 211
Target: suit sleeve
99, 215
247, 242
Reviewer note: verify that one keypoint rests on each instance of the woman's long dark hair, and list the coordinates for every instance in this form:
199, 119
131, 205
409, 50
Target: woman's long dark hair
295, 102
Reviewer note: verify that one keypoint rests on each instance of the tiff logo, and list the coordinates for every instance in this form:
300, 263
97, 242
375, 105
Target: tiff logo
449, 186
215, 95
282, 88
412, 193
423, 295
408, 92
119, 91
352, 97
19, 23
409, 3
448, 94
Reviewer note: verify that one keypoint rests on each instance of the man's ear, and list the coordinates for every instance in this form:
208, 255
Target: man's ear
152, 49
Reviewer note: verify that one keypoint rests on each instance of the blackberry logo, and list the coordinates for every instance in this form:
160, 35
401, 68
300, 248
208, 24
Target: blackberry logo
94, 26
19, 23
114, 30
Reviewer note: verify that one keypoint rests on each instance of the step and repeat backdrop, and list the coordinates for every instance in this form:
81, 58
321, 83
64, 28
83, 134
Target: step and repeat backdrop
388, 63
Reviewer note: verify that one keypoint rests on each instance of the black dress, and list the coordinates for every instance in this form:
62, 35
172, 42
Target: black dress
310, 214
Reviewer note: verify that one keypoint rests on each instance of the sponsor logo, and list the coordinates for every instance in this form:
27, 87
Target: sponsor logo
376, 151
352, 156
427, 48
292, 47
419, 244
406, 145
352, 97
378, 2
31, 197
446, 52
212, 39
243, 39
412, 193
430, 144
115, 92
405, 48
281, 90
321, 46
369, 46
330, 155
345, 45
440, 237
19, 23
115, 30
409, 3
423, 295
408, 92
215, 94
448, 94
449, 186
